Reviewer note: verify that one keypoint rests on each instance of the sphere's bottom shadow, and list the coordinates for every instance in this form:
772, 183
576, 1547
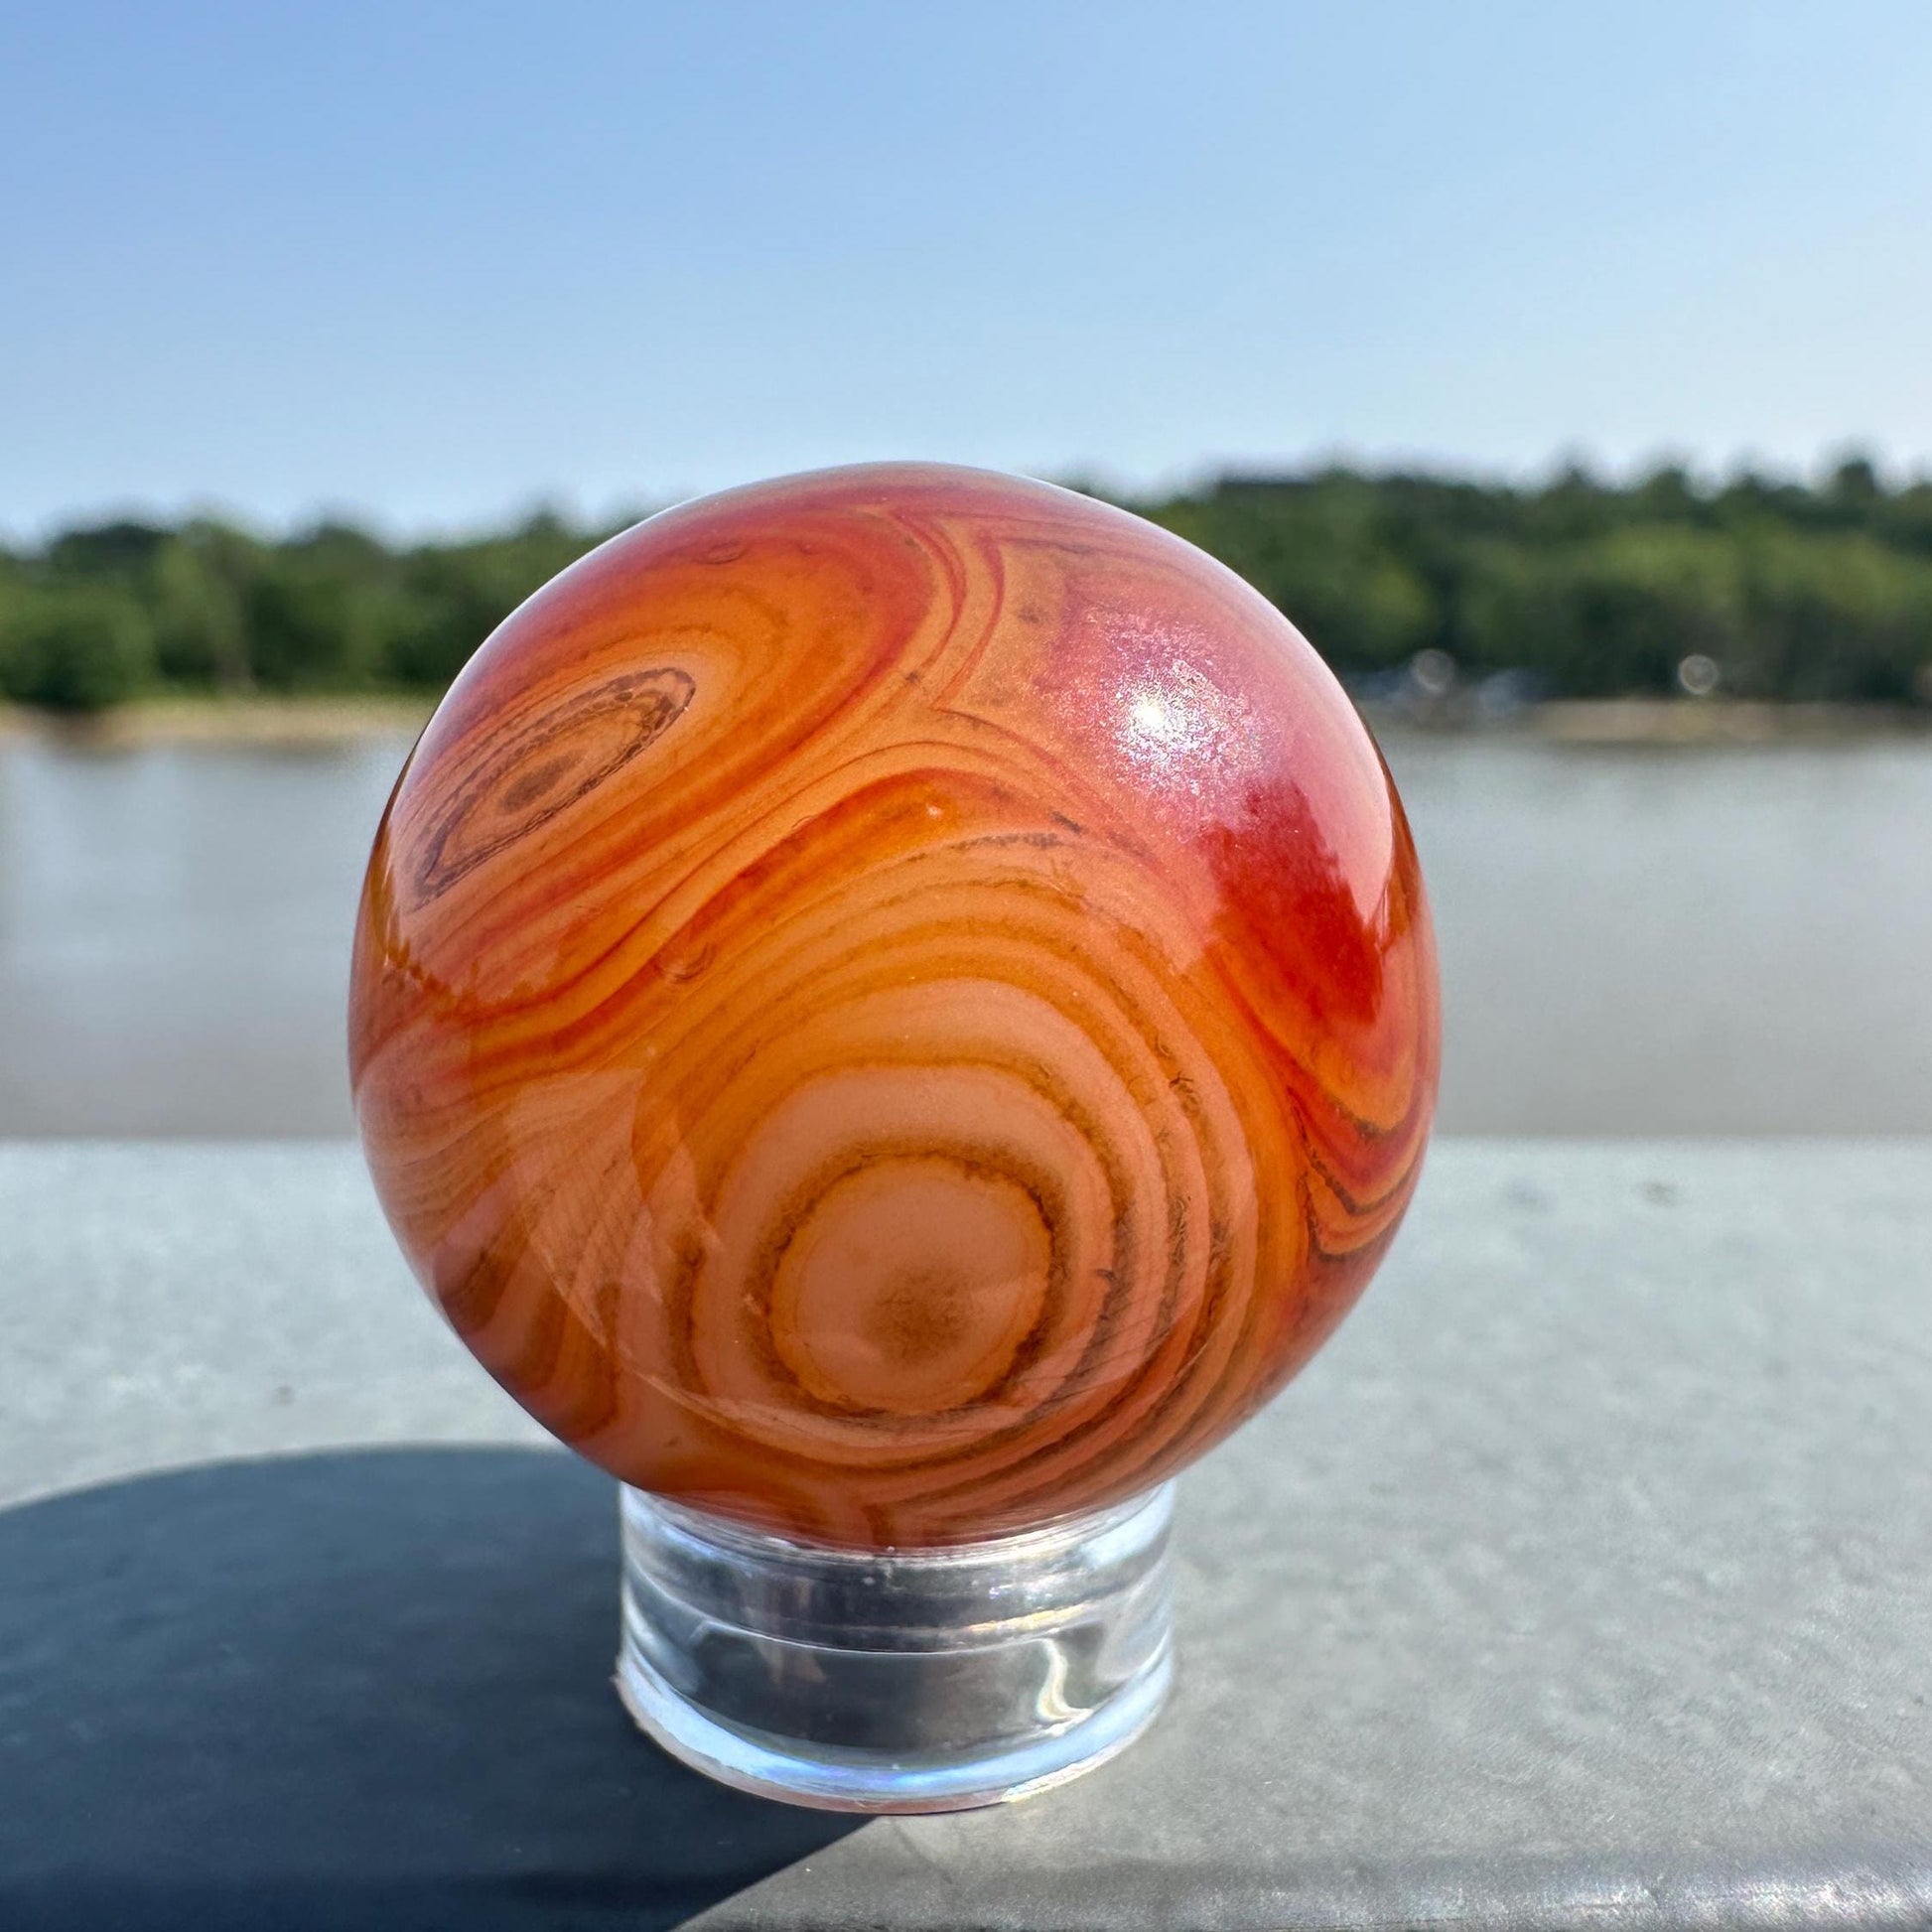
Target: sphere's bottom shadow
368, 1688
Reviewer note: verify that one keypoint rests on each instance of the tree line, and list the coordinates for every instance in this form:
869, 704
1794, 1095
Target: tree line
1575, 587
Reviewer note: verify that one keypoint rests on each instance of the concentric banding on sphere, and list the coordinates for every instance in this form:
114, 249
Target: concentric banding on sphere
831, 1069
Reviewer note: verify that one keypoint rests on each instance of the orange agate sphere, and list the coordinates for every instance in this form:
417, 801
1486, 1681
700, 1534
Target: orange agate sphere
894, 1005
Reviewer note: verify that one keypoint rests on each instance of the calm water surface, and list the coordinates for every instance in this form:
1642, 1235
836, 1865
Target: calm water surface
1723, 941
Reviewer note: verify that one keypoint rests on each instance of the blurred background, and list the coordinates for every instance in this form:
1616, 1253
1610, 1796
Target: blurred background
1561, 373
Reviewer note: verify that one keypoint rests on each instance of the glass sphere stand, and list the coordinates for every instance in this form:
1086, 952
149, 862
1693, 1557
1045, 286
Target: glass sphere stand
895, 1679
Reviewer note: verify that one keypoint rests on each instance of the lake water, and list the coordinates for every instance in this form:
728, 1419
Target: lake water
1731, 939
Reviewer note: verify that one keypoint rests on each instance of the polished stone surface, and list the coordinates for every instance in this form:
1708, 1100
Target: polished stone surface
1586, 1577
894, 1005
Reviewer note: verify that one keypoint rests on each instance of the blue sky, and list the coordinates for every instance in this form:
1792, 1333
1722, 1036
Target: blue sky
434, 263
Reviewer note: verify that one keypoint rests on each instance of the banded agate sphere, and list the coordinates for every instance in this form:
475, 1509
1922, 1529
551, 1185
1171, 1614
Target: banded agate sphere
895, 1004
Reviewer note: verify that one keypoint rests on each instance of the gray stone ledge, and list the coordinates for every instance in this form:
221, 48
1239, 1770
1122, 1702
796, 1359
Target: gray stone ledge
1585, 1578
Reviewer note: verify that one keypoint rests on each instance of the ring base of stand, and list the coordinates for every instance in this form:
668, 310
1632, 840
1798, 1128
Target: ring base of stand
895, 1680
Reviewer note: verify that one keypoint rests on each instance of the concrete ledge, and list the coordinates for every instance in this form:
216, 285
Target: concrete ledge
1586, 1578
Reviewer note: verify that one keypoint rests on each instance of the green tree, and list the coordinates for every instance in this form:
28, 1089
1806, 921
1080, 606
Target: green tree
1837, 616
73, 649
320, 611
1611, 615
455, 595
196, 586
1797, 590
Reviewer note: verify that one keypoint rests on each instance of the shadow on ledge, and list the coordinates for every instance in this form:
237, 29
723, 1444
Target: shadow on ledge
363, 1689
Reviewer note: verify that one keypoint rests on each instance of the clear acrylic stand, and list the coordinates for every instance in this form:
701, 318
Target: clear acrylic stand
898, 1680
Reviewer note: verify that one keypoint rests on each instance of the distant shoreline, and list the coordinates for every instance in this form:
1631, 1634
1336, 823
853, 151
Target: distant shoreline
324, 721
1663, 720
320, 719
